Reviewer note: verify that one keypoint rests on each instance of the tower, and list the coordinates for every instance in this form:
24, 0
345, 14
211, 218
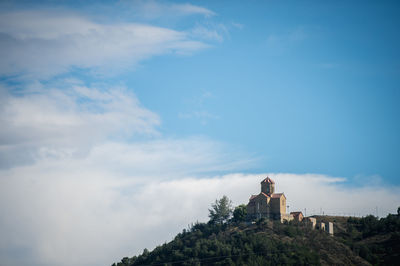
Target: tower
268, 186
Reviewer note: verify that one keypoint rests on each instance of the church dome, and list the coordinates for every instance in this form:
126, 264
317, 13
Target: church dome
268, 180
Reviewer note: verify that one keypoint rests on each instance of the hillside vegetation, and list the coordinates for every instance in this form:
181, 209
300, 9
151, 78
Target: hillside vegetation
357, 241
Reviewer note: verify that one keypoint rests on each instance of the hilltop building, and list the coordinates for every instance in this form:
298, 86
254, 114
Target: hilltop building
297, 216
267, 204
311, 221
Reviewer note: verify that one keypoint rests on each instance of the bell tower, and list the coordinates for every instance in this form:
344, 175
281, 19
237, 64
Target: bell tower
268, 186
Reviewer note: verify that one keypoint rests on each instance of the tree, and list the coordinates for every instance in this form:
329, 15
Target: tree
240, 213
221, 210
398, 211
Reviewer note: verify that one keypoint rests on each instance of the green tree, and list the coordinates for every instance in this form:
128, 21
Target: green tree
240, 213
221, 210
398, 211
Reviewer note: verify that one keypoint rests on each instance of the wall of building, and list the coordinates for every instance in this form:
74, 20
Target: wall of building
259, 207
278, 205
283, 205
267, 188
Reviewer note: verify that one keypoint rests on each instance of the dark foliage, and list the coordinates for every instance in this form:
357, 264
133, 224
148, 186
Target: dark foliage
357, 241
375, 240
239, 214
216, 244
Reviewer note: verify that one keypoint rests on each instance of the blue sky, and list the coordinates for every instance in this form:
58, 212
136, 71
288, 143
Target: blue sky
104, 105
308, 88
305, 88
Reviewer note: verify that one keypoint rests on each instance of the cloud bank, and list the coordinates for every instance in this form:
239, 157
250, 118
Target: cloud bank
64, 122
44, 43
87, 178
58, 214
78, 165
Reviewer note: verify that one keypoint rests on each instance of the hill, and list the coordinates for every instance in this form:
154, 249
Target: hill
375, 240
357, 241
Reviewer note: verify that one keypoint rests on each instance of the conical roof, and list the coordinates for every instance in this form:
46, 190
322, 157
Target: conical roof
268, 180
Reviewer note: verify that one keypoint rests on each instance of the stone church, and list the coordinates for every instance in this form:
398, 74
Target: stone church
267, 204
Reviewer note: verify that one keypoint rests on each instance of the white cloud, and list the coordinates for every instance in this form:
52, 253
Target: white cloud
92, 193
151, 9
60, 214
198, 109
209, 33
239, 26
191, 9
79, 168
45, 43
64, 122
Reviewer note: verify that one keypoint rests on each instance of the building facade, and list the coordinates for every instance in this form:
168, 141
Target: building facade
267, 204
297, 216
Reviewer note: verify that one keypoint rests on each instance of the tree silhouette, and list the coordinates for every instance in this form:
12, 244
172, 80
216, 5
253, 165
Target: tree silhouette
220, 211
240, 213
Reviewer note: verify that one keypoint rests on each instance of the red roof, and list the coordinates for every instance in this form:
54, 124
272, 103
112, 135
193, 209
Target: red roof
276, 195
268, 180
255, 196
